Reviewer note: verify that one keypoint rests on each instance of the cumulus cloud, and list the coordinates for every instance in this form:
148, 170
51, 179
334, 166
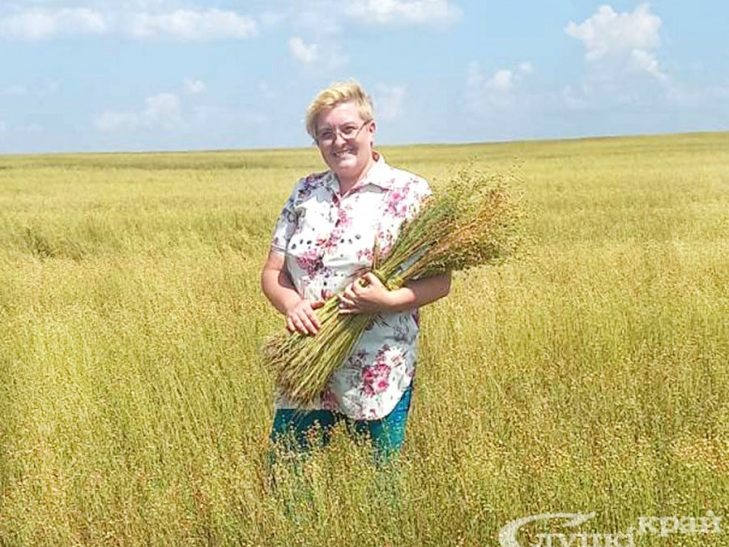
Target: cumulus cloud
302, 52
111, 121
607, 32
419, 12
194, 87
526, 67
43, 88
315, 58
42, 24
162, 110
647, 62
619, 46
502, 80
389, 101
497, 89
35, 24
191, 25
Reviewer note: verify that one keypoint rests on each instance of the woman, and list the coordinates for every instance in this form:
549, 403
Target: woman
322, 245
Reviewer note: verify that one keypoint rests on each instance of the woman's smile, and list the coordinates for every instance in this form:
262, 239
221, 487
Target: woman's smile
344, 153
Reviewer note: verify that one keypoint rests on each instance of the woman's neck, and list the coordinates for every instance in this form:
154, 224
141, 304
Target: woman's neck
346, 184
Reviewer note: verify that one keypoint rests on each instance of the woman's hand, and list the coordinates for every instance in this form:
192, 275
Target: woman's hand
302, 318
370, 297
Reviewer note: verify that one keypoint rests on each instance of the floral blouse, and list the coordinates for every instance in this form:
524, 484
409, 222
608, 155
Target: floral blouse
328, 241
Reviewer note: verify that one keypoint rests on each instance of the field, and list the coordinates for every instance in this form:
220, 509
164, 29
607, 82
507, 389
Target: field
591, 374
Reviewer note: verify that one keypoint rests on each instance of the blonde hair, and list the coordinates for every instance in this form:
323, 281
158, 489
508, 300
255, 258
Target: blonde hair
334, 95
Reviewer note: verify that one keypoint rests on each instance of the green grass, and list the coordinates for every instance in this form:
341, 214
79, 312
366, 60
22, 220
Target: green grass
589, 375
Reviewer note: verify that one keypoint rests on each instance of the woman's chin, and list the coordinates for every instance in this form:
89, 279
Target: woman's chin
344, 165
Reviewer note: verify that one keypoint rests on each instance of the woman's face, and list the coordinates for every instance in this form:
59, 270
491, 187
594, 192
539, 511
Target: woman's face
345, 140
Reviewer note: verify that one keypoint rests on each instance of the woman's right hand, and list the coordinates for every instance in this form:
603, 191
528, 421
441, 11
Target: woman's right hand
302, 318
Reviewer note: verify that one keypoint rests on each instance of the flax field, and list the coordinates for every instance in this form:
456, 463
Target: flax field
588, 375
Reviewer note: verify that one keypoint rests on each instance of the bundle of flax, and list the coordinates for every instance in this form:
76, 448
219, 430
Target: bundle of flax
473, 220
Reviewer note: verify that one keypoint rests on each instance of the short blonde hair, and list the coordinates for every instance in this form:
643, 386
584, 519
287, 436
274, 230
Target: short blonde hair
336, 94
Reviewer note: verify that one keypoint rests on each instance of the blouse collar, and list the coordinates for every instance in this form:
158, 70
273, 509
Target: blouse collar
379, 174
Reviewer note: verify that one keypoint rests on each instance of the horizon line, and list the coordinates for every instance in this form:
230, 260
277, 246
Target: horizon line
385, 146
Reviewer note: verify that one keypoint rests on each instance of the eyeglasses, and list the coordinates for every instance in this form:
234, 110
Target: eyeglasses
349, 132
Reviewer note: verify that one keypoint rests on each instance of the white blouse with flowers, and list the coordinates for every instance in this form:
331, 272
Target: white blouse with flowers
328, 240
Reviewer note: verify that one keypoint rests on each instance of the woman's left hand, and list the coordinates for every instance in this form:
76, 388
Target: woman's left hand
373, 297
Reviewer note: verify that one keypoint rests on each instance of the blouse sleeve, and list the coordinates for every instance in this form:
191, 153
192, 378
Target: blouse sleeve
285, 224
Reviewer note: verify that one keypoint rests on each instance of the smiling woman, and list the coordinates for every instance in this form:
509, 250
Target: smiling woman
322, 245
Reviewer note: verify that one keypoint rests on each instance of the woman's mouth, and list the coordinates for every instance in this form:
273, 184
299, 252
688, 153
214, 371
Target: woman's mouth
343, 153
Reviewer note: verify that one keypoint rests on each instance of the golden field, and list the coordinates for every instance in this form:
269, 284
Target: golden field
589, 374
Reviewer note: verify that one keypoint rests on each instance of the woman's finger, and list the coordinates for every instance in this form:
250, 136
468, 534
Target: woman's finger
308, 325
298, 325
356, 288
346, 300
349, 293
311, 314
290, 325
371, 279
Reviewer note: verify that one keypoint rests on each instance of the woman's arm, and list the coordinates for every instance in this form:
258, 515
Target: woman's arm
280, 291
420, 292
276, 284
375, 298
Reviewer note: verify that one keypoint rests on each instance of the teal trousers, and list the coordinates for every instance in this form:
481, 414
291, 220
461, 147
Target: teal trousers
303, 429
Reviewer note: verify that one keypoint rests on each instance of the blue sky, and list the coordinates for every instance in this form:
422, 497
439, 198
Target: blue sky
82, 75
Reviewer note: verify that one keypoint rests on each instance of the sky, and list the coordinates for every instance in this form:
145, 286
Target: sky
137, 75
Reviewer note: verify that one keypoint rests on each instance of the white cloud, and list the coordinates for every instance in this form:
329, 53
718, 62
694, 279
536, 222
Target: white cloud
35, 24
43, 88
42, 24
389, 101
194, 87
316, 59
162, 110
502, 80
647, 62
111, 121
302, 52
607, 32
419, 12
495, 91
622, 66
191, 25
526, 67
486, 93
498, 103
